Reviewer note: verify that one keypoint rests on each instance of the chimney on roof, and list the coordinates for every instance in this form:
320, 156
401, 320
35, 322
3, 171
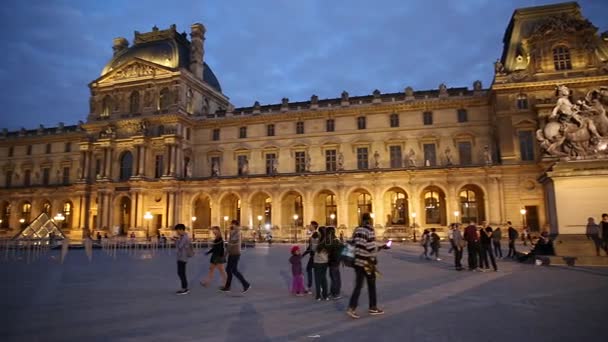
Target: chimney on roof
197, 49
120, 43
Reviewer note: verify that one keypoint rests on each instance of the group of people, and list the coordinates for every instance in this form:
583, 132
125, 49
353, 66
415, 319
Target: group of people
593, 233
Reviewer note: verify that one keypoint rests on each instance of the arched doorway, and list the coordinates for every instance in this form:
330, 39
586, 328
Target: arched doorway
123, 215
46, 208
396, 204
433, 202
325, 207
26, 214
202, 212
68, 214
5, 215
292, 204
230, 207
261, 210
471, 204
359, 203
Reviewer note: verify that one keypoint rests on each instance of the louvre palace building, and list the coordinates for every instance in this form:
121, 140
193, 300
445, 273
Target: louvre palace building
162, 144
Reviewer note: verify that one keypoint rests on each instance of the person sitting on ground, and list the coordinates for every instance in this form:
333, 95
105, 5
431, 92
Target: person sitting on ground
544, 246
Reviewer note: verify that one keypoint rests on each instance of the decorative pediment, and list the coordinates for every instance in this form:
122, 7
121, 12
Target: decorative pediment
134, 69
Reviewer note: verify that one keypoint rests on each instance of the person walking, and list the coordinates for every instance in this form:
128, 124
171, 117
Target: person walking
604, 229
218, 259
512, 233
593, 233
365, 266
182, 246
234, 254
309, 265
425, 240
321, 263
297, 283
435, 244
472, 238
335, 250
496, 237
459, 243
485, 250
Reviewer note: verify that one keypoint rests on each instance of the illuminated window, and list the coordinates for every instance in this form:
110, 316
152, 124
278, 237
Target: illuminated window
331, 208
106, 106
432, 207
67, 213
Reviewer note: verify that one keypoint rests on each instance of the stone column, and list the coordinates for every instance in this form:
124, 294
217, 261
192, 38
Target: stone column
493, 212
137, 160
170, 209
142, 161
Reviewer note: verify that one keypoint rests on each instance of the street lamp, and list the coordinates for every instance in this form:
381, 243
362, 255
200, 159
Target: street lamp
332, 217
193, 220
295, 227
59, 218
148, 217
414, 225
456, 214
22, 221
523, 216
260, 217
226, 227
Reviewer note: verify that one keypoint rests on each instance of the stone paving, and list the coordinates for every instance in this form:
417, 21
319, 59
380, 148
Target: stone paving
131, 297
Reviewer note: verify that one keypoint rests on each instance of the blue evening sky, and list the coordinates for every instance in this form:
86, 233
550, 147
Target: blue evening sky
259, 49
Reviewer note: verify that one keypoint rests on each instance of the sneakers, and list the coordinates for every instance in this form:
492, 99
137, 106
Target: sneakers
352, 313
182, 292
308, 291
376, 311
336, 297
438, 259
224, 289
246, 288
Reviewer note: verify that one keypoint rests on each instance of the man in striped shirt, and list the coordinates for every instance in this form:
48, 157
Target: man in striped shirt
364, 240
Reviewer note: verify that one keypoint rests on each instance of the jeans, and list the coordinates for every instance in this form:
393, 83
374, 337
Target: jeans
472, 250
512, 252
497, 248
232, 269
457, 257
435, 251
181, 272
309, 277
426, 251
321, 280
336, 282
485, 251
371, 288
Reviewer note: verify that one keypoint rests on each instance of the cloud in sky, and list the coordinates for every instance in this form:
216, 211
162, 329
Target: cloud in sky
260, 50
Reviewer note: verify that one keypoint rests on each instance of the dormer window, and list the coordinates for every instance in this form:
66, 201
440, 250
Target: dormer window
106, 106
561, 58
134, 102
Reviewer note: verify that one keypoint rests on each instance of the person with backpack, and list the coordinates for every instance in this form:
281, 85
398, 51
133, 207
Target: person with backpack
424, 242
183, 251
335, 252
512, 233
435, 243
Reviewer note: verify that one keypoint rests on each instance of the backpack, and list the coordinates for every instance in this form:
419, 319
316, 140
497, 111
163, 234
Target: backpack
347, 255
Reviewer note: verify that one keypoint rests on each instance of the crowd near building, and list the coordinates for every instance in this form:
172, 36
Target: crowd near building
162, 144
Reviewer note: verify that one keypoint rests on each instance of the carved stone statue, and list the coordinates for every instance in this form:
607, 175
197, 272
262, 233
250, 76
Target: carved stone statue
314, 99
108, 132
344, 96
307, 162
189, 101
245, 167
487, 155
340, 161
189, 169
477, 85
143, 127
411, 158
443, 90
215, 169
376, 159
571, 129
499, 68
409, 92
448, 156
275, 166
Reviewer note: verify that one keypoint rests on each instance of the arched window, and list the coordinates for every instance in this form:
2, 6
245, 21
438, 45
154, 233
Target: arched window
106, 106
561, 58
26, 212
399, 208
364, 204
432, 206
5, 215
134, 102
68, 209
164, 99
331, 209
126, 166
471, 204
46, 207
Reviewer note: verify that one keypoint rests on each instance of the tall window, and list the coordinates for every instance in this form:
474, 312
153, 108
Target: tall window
241, 161
270, 130
396, 158
300, 127
9, 178
561, 58
432, 207
126, 166
158, 166
97, 167
362, 158
330, 125
106, 106
300, 161
399, 208
526, 145
364, 205
215, 136
26, 212
46, 207
330, 160
331, 208
47, 149
394, 120
66, 175
270, 163
28, 150
464, 153
462, 115
27, 178
163, 99
427, 118
46, 176
215, 162
134, 102
430, 157
6, 215
468, 206
67, 213
242, 132
361, 122
67, 147
522, 101
11, 151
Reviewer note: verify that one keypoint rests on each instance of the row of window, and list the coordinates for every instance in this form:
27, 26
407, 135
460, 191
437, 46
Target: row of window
26, 213
46, 177
330, 124
47, 150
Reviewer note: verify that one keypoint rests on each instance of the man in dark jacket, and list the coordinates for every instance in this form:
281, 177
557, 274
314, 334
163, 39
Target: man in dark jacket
472, 238
512, 238
309, 265
604, 226
458, 243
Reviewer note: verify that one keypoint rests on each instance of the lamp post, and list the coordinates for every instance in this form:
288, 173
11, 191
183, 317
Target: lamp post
193, 220
260, 227
372, 215
148, 217
523, 216
22, 221
295, 227
456, 214
226, 228
332, 218
414, 225
59, 218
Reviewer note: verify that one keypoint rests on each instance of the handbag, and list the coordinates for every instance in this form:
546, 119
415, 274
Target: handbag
347, 255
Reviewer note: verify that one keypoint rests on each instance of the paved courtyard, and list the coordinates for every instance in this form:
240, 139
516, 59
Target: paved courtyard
130, 297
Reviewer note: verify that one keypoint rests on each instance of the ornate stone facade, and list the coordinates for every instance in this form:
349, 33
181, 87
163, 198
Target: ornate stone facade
162, 138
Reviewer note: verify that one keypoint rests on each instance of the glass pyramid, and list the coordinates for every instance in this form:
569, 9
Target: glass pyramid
40, 228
